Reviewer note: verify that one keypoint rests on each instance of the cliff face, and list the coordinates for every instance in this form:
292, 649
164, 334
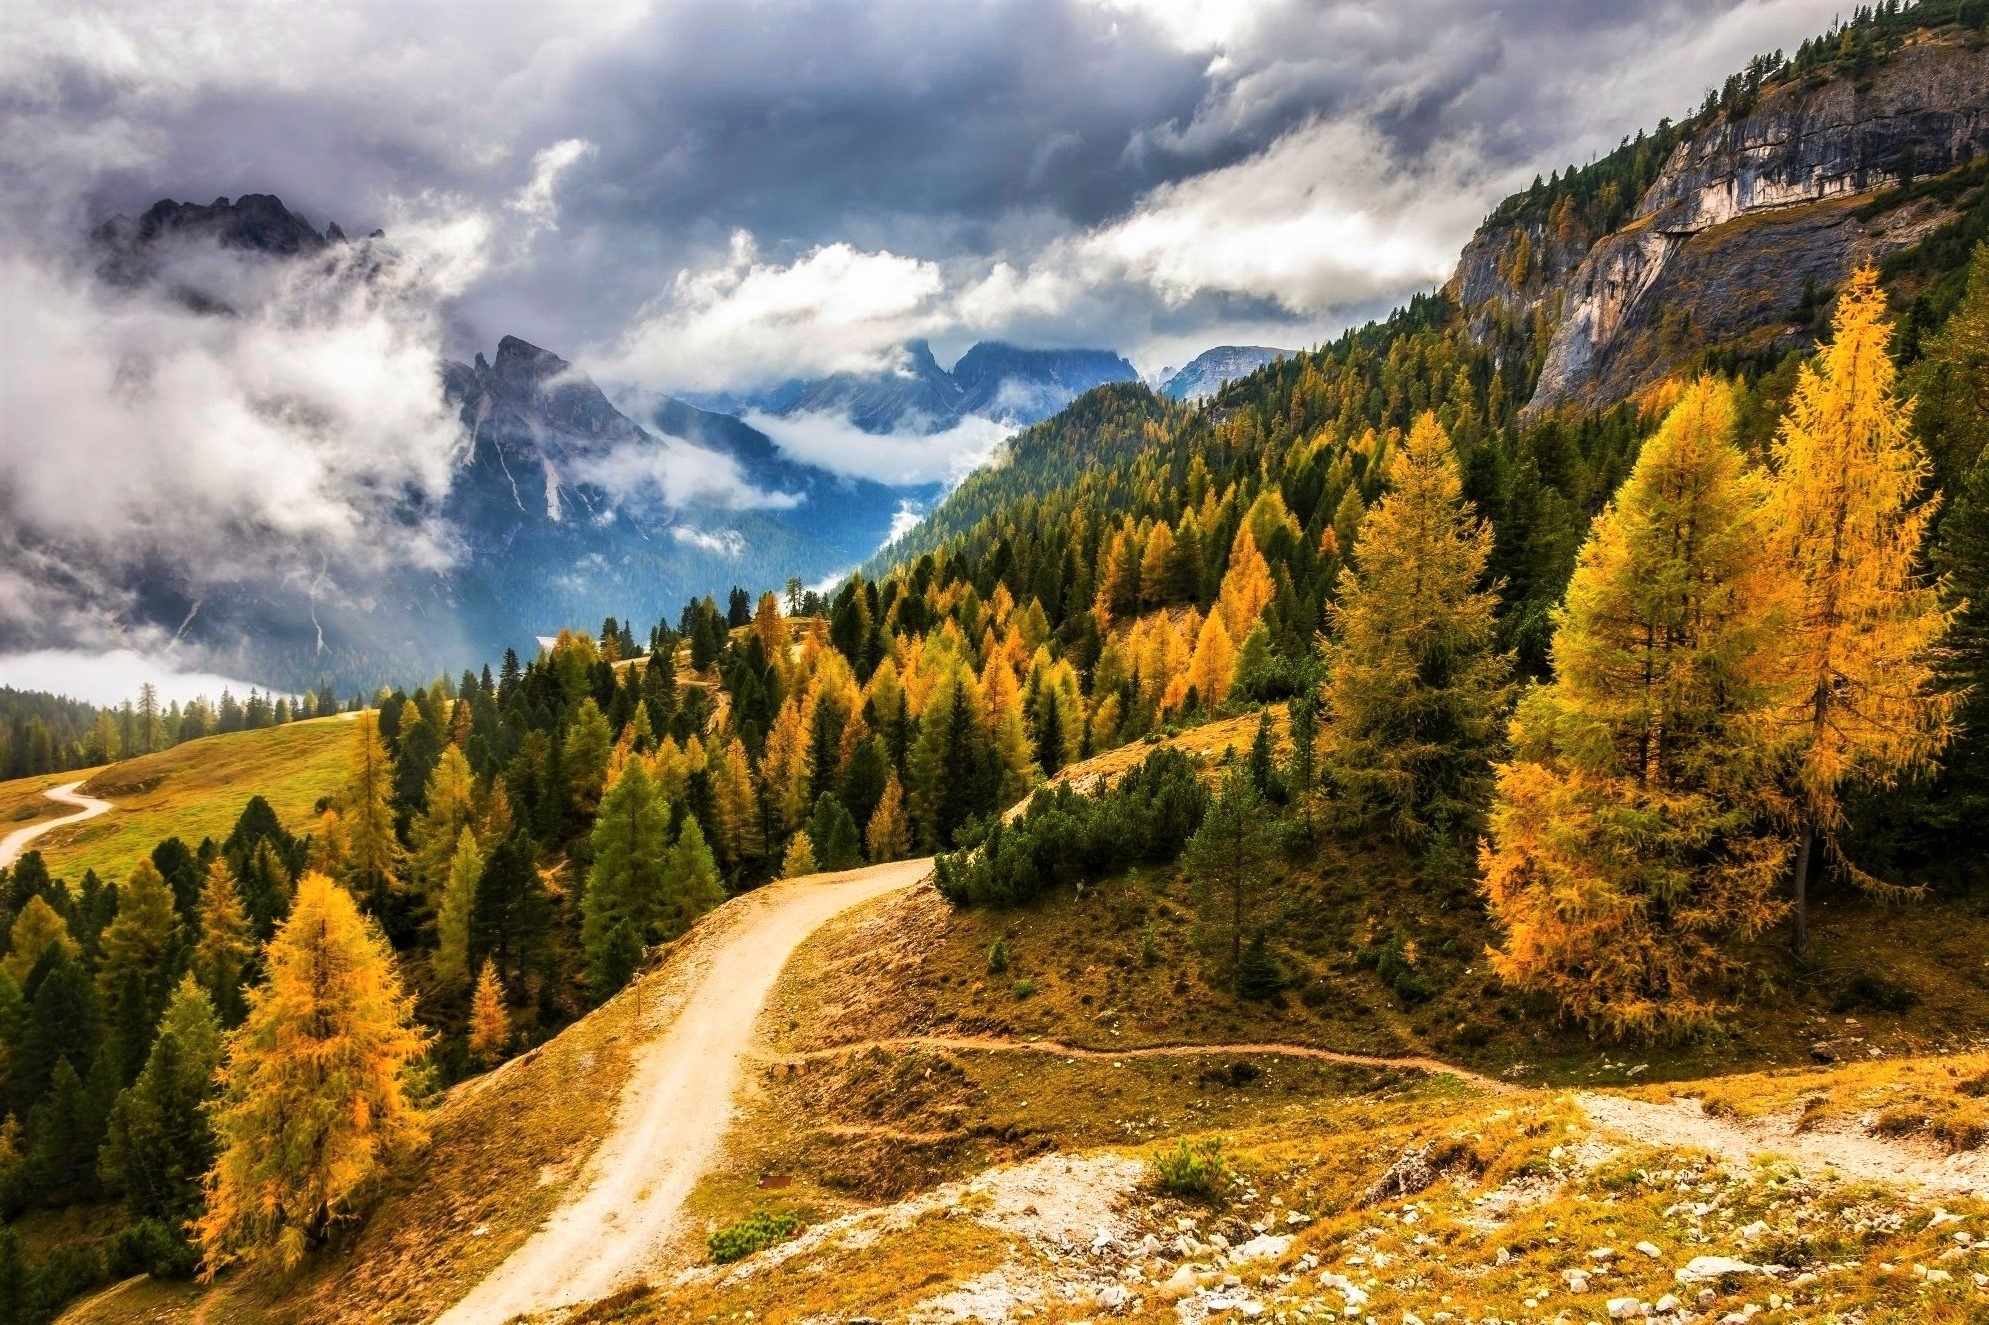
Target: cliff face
1745, 216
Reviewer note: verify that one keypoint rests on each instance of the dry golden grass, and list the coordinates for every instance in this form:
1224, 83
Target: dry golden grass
191, 791
1942, 1100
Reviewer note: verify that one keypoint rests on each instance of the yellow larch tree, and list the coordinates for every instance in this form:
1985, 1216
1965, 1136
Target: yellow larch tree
315, 1089
1635, 835
490, 1023
449, 806
1214, 663
452, 915
889, 835
799, 861
1154, 563
221, 957
1247, 585
34, 929
786, 766
1846, 520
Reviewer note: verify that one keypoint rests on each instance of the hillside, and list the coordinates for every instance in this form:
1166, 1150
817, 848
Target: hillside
193, 791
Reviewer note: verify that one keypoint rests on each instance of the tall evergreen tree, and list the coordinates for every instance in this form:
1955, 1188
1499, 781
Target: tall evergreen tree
373, 863
1415, 687
626, 886
452, 917
160, 1145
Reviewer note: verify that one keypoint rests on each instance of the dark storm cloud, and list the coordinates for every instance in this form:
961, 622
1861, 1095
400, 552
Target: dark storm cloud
959, 135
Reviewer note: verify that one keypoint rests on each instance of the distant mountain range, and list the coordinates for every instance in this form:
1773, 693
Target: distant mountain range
993, 380
566, 505
1207, 371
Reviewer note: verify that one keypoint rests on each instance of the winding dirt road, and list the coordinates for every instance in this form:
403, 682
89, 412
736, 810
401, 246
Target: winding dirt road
18, 841
674, 1111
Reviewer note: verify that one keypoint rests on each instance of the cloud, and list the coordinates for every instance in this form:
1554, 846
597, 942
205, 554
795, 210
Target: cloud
535, 201
832, 442
748, 322
278, 442
679, 474
720, 542
109, 678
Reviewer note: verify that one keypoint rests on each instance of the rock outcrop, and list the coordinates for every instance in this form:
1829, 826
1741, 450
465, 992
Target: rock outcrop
1748, 216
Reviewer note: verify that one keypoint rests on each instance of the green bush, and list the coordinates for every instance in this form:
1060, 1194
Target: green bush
757, 1231
1196, 1170
998, 957
154, 1247
1064, 837
1025, 989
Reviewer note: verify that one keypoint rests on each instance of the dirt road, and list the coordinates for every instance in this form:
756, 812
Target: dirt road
673, 1112
18, 841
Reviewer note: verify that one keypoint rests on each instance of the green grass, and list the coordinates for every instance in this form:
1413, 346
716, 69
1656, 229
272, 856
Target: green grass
191, 791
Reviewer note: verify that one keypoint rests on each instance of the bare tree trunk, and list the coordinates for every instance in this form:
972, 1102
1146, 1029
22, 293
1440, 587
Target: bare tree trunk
1802, 889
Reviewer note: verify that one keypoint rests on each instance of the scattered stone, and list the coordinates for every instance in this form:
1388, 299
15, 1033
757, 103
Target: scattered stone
1625, 1308
1701, 1269
1409, 1174
1649, 1249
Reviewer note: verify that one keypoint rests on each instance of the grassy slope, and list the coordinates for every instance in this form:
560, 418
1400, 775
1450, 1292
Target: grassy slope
191, 791
828, 1136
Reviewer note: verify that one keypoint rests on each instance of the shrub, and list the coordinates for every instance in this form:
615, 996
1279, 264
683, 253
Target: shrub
1196, 1170
1258, 974
1025, 989
154, 1247
757, 1231
1065, 837
998, 957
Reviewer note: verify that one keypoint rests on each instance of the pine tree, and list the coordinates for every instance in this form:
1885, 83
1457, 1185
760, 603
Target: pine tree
800, 858
889, 835
693, 887
1635, 838
449, 805
833, 833
226, 948
452, 919
64, 1024
131, 972
490, 1024
511, 911
315, 1097
626, 886
372, 853
583, 762
159, 1143
1846, 522
1415, 687
1226, 857
954, 772
737, 826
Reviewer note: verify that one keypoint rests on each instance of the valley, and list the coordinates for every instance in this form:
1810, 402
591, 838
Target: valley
1482, 820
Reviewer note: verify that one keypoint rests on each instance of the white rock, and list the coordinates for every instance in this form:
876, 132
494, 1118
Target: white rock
1179, 1285
1701, 1268
1649, 1249
1625, 1308
1577, 1281
1603, 1254
1667, 1304
1503, 1256
1263, 1247
1356, 1295
1114, 1296
1102, 1239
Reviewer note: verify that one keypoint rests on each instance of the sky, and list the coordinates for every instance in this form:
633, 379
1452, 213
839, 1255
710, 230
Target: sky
711, 197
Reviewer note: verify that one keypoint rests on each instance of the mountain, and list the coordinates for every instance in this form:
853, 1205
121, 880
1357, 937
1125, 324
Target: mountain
1725, 234
992, 380
562, 506
1208, 371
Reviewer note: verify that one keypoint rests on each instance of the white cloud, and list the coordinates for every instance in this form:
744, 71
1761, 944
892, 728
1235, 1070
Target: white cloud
679, 474
276, 442
106, 679
745, 321
721, 542
536, 201
832, 442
